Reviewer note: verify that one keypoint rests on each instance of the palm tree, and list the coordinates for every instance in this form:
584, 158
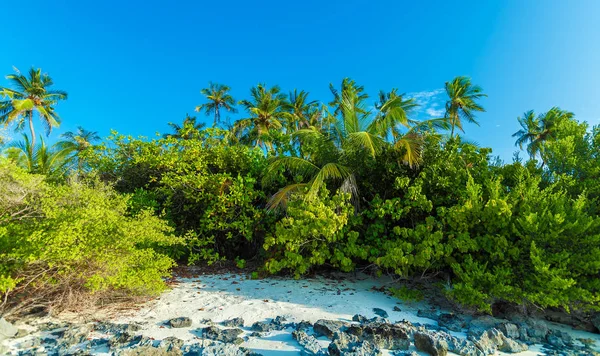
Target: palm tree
39, 159
347, 85
31, 94
356, 130
77, 142
267, 110
303, 112
462, 102
188, 130
529, 133
392, 111
218, 97
536, 131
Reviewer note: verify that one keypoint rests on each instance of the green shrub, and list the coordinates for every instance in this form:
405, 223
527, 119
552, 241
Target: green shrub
78, 237
206, 188
313, 233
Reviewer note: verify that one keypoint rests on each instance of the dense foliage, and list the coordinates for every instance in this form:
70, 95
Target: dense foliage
62, 240
297, 185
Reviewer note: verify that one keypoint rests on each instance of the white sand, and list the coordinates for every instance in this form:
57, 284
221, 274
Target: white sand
223, 297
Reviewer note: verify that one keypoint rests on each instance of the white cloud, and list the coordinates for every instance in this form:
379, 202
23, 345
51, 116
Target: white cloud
435, 113
431, 103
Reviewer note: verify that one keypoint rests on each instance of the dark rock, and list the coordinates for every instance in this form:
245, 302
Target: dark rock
110, 328
384, 336
140, 340
303, 325
397, 309
328, 327
235, 322
120, 340
596, 322
94, 343
309, 343
429, 314
7, 330
181, 322
226, 350
427, 342
555, 341
382, 313
510, 330
171, 343
537, 330
276, 324
262, 326
229, 336
349, 345
359, 318
74, 336
451, 322
565, 337
378, 320
49, 342
481, 324
279, 320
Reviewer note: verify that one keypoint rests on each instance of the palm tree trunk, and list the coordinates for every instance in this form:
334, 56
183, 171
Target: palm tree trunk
217, 116
30, 117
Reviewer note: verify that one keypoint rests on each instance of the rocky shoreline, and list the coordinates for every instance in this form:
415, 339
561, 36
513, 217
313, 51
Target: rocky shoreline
229, 315
361, 337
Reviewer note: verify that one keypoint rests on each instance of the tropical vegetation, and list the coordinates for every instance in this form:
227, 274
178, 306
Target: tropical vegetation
297, 185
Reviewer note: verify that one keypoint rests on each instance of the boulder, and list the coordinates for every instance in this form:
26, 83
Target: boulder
451, 322
303, 325
228, 336
171, 343
181, 322
384, 336
429, 343
380, 312
429, 314
235, 322
226, 350
493, 339
596, 322
266, 326
359, 318
110, 328
309, 343
509, 330
328, 327
537, 330
349, 345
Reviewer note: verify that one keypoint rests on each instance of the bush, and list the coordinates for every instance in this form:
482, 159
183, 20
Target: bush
313, 233
78, 238
206, 188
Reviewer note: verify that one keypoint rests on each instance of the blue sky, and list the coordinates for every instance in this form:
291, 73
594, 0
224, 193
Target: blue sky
136, 65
